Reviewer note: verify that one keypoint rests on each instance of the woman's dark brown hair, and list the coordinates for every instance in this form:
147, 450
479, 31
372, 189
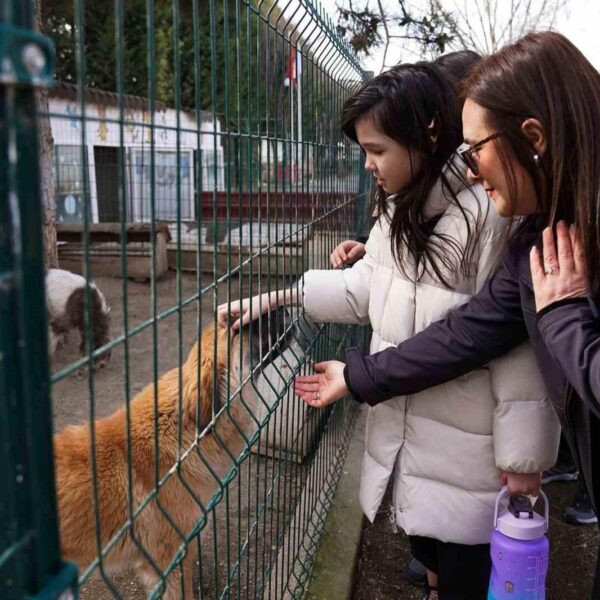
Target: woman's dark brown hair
410, 104
544, 76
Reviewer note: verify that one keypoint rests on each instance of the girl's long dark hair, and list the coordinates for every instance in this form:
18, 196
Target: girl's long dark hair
457, 65
544, 76
417, 106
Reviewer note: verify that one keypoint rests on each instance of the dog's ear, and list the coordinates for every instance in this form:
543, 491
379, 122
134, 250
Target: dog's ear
208, 372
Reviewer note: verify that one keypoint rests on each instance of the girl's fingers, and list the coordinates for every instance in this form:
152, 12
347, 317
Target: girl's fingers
355, 251
549, 249
565, 251
537, 269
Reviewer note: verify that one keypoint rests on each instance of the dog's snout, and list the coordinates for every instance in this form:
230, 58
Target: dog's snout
277, 324
270, 333
272, 329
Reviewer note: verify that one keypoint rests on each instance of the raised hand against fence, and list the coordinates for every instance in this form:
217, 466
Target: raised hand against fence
240, 312
347, 253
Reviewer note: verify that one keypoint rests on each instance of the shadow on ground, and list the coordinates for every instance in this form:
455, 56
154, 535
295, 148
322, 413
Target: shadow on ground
383, 554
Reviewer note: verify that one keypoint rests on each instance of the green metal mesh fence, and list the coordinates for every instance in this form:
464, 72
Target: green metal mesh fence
195, 159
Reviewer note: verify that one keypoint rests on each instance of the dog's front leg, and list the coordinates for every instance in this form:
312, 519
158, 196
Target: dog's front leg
179, 584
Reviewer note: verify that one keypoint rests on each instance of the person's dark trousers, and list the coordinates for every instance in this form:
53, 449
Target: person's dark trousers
463, 570
565, 468
594, 497
596, 590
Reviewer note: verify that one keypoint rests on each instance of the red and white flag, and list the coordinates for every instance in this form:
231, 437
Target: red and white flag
290, 69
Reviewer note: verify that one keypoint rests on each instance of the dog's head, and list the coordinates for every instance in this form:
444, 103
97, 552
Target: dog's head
229, 362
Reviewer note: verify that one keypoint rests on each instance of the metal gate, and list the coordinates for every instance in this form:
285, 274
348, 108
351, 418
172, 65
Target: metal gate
196, 159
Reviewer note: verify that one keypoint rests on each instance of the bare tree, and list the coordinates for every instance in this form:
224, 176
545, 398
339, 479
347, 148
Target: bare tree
46, 145
431, 27
487, 25
378, 23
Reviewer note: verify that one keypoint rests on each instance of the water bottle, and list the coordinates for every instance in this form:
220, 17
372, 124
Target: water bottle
519, 550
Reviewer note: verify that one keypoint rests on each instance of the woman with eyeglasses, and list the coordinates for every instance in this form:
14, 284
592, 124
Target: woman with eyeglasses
532, 123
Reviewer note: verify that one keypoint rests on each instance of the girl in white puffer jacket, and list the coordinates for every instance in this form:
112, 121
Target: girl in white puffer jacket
434, 244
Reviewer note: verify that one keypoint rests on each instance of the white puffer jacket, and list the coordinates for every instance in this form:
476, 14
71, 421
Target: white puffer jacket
448, 443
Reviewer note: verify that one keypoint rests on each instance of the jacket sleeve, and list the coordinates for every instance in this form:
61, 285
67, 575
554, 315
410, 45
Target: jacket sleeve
526, 429
342, 296
571, 331
486, 327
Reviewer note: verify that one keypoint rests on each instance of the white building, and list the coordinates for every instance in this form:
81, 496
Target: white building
105, 139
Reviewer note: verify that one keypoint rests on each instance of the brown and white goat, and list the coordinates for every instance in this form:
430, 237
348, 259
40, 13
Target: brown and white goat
66, 304
190, 483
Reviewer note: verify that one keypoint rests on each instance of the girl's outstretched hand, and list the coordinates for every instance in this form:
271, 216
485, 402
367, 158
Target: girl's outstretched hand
240, 312
562, 273
324, 388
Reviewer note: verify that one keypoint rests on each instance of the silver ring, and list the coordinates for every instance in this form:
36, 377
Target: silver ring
317, 395
550, 270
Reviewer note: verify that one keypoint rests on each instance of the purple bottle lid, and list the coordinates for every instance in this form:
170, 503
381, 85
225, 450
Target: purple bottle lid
520, 525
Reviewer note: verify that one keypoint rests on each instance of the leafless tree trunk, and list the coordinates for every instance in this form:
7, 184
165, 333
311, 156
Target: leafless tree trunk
46, 145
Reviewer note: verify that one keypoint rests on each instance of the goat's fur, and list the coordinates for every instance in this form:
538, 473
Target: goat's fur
65, 302
151, 528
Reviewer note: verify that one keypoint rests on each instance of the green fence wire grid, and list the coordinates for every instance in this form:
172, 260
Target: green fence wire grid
193, 156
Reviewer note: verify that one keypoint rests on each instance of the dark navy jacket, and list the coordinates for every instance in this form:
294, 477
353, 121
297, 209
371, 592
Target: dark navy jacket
565, 338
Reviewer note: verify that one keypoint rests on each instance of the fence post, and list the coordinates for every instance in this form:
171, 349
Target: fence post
362, 200
30, 564
364, 189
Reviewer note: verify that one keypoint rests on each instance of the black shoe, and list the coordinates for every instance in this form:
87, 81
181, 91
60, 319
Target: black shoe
560, 473
580, 511
416, 573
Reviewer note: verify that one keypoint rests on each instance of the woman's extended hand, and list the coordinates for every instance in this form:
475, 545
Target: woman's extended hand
522, 483
324, 388
563, 272
346, 253
241, 312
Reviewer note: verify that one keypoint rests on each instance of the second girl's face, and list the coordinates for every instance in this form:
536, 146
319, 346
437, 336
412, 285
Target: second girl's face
392, 164
523, 200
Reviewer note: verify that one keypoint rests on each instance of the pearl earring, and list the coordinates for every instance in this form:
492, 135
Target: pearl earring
536, 159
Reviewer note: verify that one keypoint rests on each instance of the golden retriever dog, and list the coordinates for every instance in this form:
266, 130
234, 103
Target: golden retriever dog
162, 526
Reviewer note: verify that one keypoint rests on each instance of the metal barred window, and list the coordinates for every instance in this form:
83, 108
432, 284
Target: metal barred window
189, 153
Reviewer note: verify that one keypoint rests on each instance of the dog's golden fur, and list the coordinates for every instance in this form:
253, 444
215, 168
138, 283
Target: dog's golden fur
179, 496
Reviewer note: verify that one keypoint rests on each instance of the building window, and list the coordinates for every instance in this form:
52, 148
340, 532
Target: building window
69, 184
165, 185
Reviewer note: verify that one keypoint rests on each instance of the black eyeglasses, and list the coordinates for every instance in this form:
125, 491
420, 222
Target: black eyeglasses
466, 152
